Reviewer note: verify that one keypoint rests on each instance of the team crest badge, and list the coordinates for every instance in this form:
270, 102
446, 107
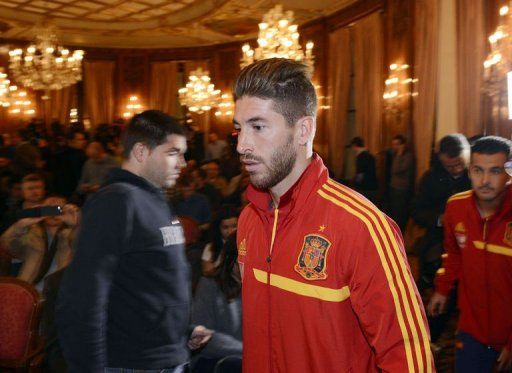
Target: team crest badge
507, 238
312, 258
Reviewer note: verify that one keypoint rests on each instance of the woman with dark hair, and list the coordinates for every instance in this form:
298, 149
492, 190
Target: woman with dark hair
224, 225
218, 306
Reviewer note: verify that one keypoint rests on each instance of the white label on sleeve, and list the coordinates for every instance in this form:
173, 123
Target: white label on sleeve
172, 235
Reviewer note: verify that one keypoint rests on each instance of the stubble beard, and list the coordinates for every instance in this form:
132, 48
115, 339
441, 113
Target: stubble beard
281, 164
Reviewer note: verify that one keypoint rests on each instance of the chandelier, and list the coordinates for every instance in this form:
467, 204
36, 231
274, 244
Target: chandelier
133, 107
225, 107
498, 65
20, 103
199, 95
45, 64
4, 89
278, 37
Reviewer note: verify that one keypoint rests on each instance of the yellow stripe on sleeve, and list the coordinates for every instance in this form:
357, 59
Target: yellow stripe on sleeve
399, 268
387, 271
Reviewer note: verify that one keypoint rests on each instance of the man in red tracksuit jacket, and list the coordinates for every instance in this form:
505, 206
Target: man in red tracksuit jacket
478, 244
326, 284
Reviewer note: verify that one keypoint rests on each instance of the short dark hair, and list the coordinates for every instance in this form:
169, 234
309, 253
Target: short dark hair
151, 127
229, 286
34, 177
492, 145
357, 141
286, 82
454, 145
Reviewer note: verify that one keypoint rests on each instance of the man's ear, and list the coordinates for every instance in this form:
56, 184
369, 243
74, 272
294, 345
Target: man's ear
306, 127
140, 152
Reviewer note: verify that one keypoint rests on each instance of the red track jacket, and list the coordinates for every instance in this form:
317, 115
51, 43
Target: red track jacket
480, 260
326, 284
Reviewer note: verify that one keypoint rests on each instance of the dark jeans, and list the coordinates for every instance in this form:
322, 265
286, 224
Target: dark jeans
472, 356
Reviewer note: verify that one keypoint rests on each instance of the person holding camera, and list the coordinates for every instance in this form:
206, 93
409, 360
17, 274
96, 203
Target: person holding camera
44, 242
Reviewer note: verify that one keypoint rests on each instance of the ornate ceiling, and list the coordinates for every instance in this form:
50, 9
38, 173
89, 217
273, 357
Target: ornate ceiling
151, 23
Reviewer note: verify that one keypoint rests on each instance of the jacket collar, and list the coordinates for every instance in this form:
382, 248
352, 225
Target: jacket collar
119, 175
295, 198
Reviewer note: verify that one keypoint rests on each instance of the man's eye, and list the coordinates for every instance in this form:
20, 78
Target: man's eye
257, 128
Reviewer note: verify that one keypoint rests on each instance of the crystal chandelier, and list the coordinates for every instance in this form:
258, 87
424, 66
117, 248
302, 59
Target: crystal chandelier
45, 65
199, 95
278, 37
498, 65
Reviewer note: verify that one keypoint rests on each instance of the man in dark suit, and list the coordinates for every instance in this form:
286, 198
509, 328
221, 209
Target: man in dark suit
365, 181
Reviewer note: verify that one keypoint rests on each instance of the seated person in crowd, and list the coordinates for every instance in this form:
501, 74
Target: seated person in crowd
192, 204
213, 176
33, 191
43, 244
96, 168
223, 226
216, 147
214, 196
217, 305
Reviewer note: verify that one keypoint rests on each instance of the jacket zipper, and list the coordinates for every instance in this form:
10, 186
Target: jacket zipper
269, 267
485, 276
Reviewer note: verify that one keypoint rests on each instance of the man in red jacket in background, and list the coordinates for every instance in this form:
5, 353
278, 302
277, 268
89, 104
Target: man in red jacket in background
326, 285
478, 244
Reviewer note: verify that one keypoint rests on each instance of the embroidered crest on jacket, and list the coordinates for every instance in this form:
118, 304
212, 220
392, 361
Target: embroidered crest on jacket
311, 263
507, 238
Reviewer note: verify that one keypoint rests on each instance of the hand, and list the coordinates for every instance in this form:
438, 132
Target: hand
27, 222
437, 304
70, 214
505, 360
199, 338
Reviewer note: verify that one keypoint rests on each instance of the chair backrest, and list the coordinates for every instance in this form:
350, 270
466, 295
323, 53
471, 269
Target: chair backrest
5, 261
190, 229
20, 309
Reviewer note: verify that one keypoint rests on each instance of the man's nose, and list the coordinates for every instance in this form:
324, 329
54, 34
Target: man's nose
243, 142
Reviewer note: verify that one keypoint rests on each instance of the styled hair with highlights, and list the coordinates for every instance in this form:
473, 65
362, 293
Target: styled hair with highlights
286, 82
